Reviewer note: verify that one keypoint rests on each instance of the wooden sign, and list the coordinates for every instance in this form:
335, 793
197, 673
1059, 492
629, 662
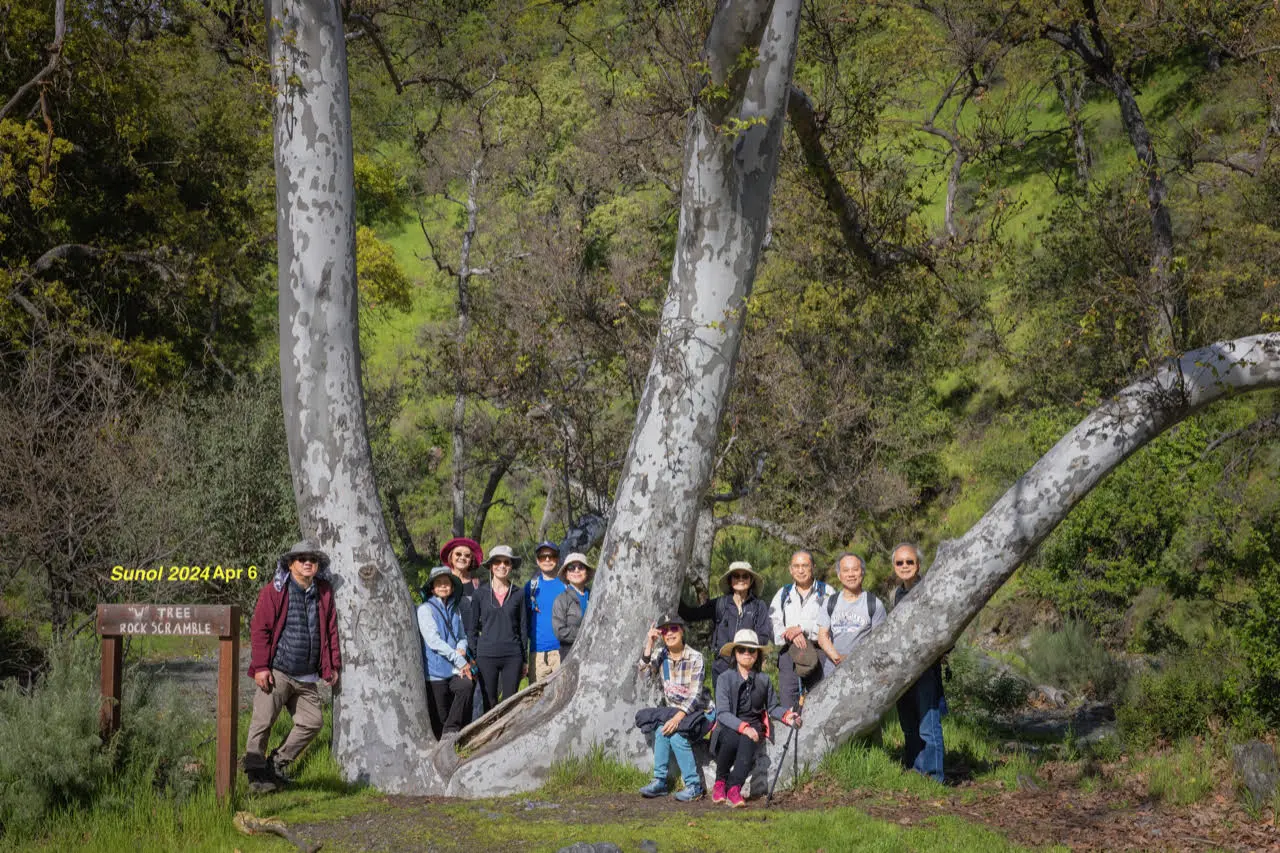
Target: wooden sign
181, 620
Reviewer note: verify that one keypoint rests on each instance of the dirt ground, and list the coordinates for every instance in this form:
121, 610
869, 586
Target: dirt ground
1052, 810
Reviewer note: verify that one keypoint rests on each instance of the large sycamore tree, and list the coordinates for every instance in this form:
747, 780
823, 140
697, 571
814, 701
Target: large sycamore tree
730, 160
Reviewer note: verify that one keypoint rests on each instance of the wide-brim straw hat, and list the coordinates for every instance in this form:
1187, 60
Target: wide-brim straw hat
746, 638
575, 557
477, 553
740, 566
428, 589
503, 551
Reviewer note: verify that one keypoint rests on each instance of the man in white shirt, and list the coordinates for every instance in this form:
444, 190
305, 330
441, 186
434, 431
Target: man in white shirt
796, 613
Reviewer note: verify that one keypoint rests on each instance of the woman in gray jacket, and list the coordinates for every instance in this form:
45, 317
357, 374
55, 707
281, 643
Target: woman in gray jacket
571, 605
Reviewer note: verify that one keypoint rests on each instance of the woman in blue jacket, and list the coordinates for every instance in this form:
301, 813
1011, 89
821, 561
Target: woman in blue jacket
450, 678
745, 700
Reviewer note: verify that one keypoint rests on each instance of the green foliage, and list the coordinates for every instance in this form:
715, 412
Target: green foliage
51, 755
1074, 658
978, 685
1183, 699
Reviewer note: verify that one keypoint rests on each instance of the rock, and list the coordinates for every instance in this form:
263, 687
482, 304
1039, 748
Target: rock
647, 846
1258, 769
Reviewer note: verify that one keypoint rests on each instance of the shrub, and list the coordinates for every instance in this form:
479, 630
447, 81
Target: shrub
979, 683
1175, 702
52, 757
1073, 658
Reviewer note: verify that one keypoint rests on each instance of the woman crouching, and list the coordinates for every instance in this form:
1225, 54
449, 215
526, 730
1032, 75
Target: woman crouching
745, 700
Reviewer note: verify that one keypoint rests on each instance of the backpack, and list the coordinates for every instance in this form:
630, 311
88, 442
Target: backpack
819, 586
871, 605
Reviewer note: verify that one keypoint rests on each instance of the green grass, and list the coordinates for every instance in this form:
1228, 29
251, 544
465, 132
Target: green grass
591, 775
838, 829
1183, 775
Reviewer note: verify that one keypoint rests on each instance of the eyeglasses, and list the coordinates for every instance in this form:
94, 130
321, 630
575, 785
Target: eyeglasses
576, 567
904, 562
546, 556
669, 629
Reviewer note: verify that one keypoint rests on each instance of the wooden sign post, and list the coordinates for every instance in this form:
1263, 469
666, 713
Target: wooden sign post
177, 620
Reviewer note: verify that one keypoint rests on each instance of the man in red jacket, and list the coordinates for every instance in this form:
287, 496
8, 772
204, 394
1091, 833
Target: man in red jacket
294, 639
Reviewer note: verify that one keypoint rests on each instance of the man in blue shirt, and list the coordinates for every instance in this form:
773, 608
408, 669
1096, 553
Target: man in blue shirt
540, 594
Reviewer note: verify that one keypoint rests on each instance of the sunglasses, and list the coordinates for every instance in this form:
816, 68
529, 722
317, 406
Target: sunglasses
904, 562
742, 650
576, 567
546, 556
670, 629
739, 576
307, 558
501, 561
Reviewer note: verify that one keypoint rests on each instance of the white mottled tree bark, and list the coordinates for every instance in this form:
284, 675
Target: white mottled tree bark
380, 705
966, 572
731, 156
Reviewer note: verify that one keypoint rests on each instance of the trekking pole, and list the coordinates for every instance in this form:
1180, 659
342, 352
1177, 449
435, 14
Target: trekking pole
786, 746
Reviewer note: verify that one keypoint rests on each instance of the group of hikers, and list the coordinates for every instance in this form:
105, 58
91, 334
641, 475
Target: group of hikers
480, 640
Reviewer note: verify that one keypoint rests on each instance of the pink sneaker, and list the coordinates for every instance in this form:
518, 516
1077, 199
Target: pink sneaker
717, 793
735, 797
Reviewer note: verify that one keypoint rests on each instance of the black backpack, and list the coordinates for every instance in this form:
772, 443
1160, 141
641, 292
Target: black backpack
871, 604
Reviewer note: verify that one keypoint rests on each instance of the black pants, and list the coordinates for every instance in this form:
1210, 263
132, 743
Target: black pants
735, 754
789, 682
499, 676
449, 704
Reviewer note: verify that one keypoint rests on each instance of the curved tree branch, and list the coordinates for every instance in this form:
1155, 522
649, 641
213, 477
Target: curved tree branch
968, 571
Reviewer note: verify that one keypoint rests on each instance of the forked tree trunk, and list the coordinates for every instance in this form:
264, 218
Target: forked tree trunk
731, 157
380, 706
967, 572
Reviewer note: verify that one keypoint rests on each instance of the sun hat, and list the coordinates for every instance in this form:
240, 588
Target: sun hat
428, 589
576, 557
745, 638
503, 551
547, 544
477, 554
740, 566
304, 547
805, 660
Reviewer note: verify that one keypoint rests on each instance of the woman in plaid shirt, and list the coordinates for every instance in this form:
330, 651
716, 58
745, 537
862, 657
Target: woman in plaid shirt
682, 688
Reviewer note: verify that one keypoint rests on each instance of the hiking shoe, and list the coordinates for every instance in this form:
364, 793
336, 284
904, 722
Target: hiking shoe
278, 770
261, 781
717, 793
656, 788
734, 797
690, 793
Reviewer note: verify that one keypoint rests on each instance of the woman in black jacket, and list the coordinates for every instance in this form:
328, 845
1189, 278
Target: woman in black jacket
498, 628
740, 607
745, 700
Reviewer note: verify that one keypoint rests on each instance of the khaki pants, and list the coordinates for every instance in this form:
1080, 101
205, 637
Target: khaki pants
542, 664
303, 701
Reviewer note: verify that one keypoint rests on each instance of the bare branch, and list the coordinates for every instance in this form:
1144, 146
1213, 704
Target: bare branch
55, 57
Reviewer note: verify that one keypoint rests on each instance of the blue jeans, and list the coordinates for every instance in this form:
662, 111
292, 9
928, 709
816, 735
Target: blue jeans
663, 746
920, 711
